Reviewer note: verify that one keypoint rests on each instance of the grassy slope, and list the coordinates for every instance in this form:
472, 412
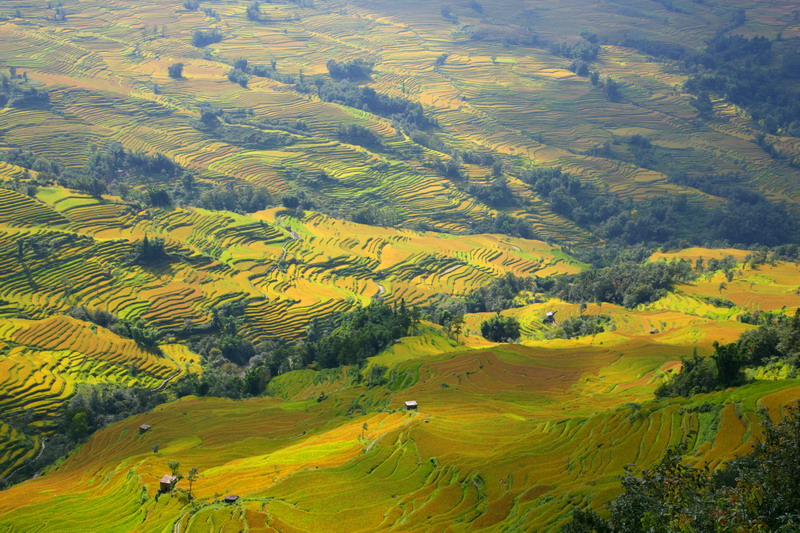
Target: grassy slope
43, 362
506, 435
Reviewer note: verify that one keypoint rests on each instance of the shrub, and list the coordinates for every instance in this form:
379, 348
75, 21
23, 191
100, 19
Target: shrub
175, 71
500, 329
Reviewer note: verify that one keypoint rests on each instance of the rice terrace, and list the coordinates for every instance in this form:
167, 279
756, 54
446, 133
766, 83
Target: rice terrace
453, 265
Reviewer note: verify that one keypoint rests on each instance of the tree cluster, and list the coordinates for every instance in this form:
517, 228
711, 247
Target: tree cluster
627, 284
355, 70
777, 339
581, 326
365, 98
357, 134
15, 91
501, 328
202, 38
756, 492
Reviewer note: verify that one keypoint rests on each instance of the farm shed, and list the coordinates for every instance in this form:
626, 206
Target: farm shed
144, 428
167, 482
411, 405
231, 498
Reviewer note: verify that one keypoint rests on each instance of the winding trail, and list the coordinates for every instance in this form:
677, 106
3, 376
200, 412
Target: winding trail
167, 380
284, 249
20, 467
381, 290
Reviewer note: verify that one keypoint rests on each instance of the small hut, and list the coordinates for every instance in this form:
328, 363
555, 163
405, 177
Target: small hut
144, 428
411, 405
231, 498
167, 482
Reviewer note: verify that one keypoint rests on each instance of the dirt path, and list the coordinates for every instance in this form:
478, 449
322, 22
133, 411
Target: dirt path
20, 467
381, 290
167, 380
284, 249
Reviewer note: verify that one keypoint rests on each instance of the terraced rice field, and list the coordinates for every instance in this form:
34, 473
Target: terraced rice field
108, 80
42, 363
505, 437
286, 270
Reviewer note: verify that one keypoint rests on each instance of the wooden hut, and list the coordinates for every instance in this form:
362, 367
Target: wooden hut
144, 428
231, 498
411, 405
167, 482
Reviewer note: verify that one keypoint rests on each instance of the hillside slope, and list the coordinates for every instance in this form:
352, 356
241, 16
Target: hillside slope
504, 436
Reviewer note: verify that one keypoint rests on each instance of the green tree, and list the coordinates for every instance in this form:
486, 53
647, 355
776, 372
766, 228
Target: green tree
192, 477
757, 492
457, 325
729, 361
174, 467
253, 12
501, 328
79, 425
175, 71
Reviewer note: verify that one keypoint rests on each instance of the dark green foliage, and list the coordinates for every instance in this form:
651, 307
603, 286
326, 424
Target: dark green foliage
579, 67
211, 13
15, 91
236, 198
93, 407
253, 12
498, 295
627, 284
175, 71
702, 103
158, 197
355, 70
201, 38
346, 93
498, 194
583, 50
149, 251
741, 70
376, 216
754, 492
211, 118
356, 134
602, 213
290, 201
88, 184
97, 316
583, 325
757, 222
362, 333
191, 5
658, 49
729, 361
507, 225
114, 163
776, 339
238, 76
29, 160
500, 328
611, 89
698, 374
144, 335
246, 136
